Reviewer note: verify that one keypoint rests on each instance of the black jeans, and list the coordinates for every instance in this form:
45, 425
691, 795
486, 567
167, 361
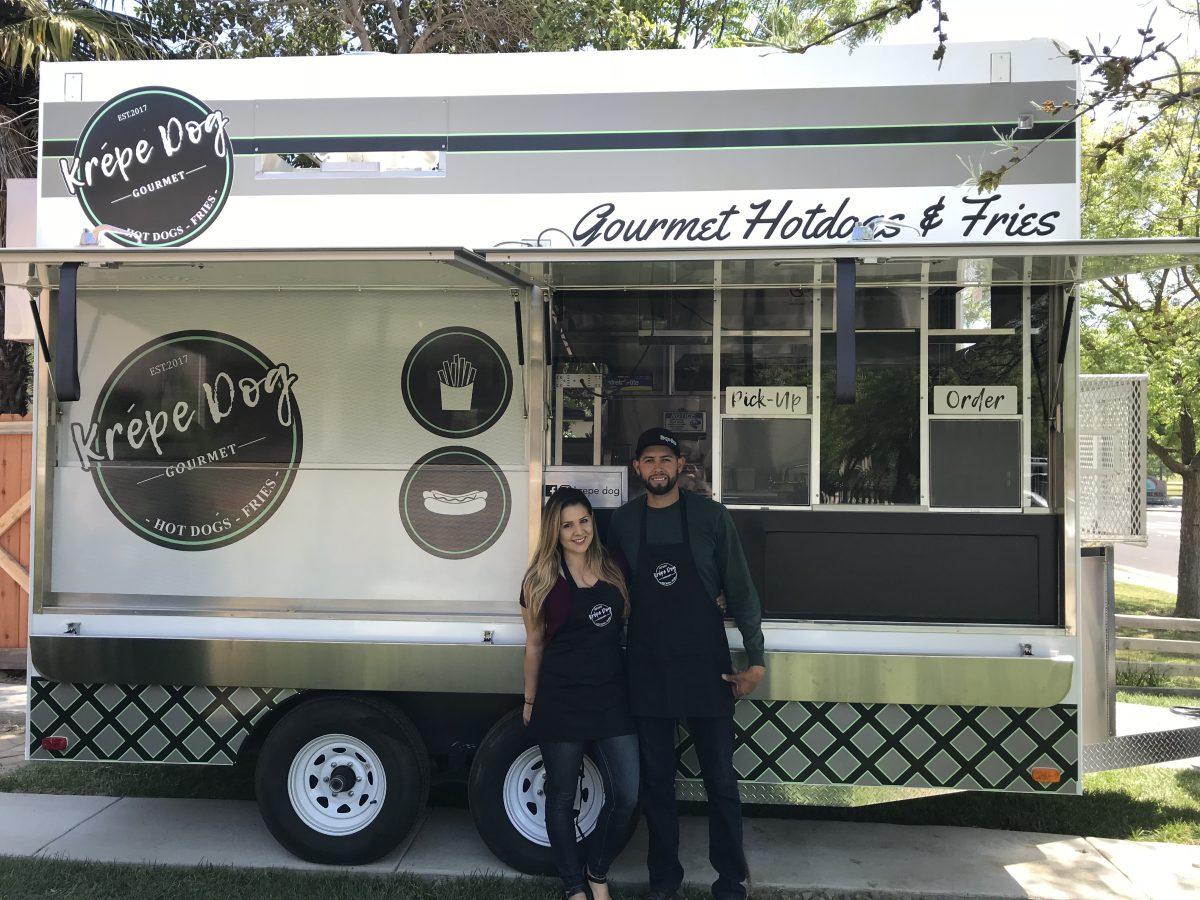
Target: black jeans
617, 759
713, 738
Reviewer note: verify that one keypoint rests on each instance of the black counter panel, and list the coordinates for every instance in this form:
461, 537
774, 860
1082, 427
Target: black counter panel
905, 567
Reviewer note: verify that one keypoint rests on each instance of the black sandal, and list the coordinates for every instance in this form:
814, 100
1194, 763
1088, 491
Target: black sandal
592, 879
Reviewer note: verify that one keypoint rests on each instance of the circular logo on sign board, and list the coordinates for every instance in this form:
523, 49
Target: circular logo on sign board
457, 382
155, 162
194, 440
666, 574
455, 502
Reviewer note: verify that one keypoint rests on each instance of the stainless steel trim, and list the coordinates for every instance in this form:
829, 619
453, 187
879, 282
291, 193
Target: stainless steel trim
44, 435
718, 464
456, 256
965, 332
1026, 385
858, 250
1070, 457
798, 794
1146, 748
535, 424
814, 454
497, 669
923, 356
291, 608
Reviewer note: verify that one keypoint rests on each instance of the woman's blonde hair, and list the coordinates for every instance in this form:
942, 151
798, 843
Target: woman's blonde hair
546, 567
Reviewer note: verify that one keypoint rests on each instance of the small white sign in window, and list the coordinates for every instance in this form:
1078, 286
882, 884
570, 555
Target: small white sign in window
358, 164
974, 400
770, 400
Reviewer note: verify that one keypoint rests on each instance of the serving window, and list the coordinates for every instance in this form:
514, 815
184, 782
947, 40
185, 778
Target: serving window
953, 382
943, 471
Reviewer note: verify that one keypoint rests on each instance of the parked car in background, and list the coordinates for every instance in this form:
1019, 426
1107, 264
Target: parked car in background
1156, 490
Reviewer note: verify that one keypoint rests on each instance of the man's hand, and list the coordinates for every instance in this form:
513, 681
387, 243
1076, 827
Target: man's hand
745, 683
526, 713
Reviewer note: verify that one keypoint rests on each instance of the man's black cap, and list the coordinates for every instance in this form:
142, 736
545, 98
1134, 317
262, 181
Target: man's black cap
657, 437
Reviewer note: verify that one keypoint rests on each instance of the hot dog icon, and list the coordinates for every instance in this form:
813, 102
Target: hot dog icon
454, 504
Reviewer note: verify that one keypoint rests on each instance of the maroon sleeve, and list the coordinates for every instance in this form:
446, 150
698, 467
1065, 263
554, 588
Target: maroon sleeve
557, 607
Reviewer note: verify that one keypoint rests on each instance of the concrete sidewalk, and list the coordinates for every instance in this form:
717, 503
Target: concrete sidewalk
833, 859
13, 697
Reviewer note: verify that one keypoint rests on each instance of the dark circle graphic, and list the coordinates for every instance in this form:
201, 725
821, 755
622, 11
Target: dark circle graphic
155, 161
457, 382
195, 440
455, 502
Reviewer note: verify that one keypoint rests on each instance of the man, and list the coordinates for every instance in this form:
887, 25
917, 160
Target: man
684, 554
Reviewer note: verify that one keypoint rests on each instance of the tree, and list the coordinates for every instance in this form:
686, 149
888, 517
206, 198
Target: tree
245, 28
1115, 81
1151, 322
32, 32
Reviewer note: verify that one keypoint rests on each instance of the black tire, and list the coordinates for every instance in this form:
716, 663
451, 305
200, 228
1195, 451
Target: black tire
506, 741
388, 734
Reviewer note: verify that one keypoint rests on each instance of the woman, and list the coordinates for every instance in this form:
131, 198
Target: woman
574, 602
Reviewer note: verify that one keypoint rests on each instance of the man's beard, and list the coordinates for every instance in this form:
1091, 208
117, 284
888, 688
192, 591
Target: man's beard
663, 488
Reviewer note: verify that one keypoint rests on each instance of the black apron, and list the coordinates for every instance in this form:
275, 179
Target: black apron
581, 690
678, 650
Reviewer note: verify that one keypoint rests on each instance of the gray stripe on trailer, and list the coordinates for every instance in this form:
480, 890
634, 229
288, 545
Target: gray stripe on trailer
657, 111
677, 170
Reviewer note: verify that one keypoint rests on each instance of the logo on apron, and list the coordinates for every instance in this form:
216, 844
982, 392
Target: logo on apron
601, 614
666, 574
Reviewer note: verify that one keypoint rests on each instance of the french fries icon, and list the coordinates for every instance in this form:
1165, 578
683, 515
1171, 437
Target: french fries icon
457, 378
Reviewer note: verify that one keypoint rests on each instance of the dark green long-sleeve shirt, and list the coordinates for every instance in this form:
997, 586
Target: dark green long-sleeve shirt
720, 561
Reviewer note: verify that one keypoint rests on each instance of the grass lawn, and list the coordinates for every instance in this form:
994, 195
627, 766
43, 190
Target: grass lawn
59, 878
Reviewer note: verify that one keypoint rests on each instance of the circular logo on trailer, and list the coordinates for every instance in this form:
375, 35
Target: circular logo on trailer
455, 502
666, 574
154, 162
457, 382
600, 615
194, 441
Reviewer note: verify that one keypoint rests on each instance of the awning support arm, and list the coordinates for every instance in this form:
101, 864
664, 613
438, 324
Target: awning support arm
64, 364
845, 387
1068, 317
41, 332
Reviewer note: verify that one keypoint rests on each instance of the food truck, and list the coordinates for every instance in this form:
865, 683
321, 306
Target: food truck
318, 336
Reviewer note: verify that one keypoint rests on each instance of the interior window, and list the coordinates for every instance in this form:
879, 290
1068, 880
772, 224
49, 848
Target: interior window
870, 449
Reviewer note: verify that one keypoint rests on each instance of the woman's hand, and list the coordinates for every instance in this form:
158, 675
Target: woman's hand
526, 713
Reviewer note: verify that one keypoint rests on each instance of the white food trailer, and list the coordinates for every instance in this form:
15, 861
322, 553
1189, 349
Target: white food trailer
292, 439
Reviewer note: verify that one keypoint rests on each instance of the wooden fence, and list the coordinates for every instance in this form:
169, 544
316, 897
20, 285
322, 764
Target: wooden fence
16, 447
1186, 647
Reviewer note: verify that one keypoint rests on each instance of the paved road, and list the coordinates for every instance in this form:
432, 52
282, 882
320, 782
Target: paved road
1161, 556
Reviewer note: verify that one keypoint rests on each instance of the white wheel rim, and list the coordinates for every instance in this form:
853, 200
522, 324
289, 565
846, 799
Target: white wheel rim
525, 796
318, 805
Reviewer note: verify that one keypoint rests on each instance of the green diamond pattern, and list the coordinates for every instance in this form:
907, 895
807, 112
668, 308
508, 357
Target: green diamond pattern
146, 723
967, 747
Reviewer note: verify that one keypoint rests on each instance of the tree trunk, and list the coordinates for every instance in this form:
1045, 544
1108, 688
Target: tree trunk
1188, 602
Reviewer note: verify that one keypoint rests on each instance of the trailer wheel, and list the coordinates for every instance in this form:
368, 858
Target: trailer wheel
341, 779
505, 792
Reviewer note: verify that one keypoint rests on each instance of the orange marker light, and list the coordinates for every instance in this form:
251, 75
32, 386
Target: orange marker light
1045, 775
